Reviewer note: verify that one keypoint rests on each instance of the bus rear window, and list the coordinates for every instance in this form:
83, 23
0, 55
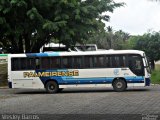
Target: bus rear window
22, 64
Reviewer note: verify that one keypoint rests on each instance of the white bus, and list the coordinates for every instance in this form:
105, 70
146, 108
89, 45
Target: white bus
55, 71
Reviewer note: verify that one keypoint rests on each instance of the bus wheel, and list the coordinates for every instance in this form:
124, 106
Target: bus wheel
52, 87
119, 85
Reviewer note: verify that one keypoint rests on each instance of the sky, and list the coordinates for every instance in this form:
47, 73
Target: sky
136, 17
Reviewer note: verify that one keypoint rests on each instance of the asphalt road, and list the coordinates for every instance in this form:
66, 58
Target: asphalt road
95, 101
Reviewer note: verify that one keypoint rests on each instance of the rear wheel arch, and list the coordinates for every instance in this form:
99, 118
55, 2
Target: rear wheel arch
117, 78
50, 80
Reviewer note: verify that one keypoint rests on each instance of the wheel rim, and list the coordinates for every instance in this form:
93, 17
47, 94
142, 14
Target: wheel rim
51, 87
119, 85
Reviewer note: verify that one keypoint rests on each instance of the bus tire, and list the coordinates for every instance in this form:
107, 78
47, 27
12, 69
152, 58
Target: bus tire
119, 85
52, 87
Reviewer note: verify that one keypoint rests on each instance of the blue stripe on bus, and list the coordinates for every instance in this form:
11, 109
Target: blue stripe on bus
99, 80
135, 79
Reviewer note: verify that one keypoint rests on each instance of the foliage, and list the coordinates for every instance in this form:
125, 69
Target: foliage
132, 42
29, 24
109, 39
149, 42
121, 39
155, 77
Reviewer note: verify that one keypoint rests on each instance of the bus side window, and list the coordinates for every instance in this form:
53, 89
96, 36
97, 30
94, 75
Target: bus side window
99, 62
122, 61
27, 63
115, 61
107, 62
77, 62
45, 63
55, 62
15, 64
30, 64
118, 61
67, 62
23, 64
37, 63
88, 62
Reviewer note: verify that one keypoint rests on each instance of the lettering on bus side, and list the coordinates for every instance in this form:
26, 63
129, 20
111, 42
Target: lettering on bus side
50, 74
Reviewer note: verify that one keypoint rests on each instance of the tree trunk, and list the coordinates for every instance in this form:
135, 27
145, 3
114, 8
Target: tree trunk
27, 44
14, 48
42, 41
36, 47
20, 43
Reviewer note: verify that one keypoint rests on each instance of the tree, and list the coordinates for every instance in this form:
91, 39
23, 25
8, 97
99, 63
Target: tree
150, 43
120, 39
29, 24
100, 39
110, 39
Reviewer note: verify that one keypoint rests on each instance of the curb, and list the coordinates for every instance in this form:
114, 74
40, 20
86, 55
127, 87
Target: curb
155, 84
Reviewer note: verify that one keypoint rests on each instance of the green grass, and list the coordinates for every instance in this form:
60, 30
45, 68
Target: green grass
155, 77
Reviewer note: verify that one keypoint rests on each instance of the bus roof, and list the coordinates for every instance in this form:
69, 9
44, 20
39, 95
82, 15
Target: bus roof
75, 53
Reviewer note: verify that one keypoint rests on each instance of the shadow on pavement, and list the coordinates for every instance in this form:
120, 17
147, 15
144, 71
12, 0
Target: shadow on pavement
65, 91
